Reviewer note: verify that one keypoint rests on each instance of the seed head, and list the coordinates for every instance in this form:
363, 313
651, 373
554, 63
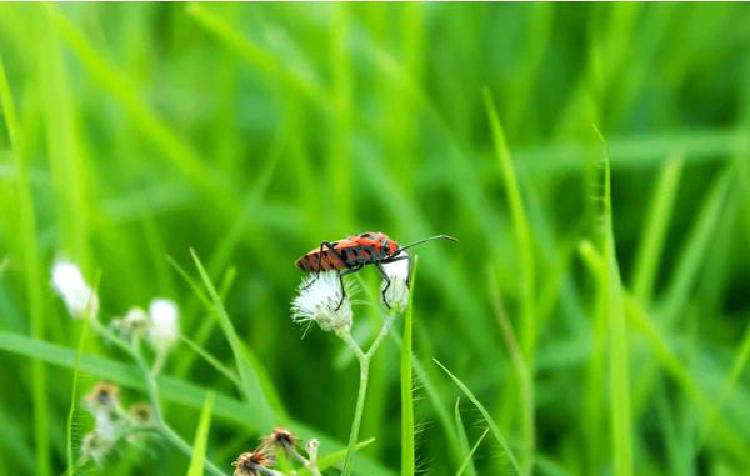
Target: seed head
95, 448
280, 437
104, 397
163, 326
253, 463
141, 413
135, 322
80, 299
319, 299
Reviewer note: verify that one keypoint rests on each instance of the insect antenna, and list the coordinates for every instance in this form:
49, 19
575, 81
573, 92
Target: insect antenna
436, 237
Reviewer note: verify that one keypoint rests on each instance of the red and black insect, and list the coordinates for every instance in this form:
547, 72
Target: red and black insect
354, 252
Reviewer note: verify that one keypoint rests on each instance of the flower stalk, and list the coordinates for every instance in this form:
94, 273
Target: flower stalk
364, 359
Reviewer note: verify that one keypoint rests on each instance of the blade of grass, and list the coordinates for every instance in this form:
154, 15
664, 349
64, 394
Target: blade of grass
407, 397
524, 246
467, 465
332, 459
619, 354
213, 361
526, 387
254, 392
507, 453
674, 366
200, 443
652, 244
33, 273
687, 269
467, 462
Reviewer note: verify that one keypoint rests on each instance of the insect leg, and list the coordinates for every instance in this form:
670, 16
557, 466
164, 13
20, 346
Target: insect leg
320, 262
341, 282
387, 283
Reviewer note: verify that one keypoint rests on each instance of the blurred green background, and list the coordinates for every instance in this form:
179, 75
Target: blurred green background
252, 132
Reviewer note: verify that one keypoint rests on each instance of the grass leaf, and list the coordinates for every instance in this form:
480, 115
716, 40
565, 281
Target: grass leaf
470, 454
507, 453
254, 391
198, 458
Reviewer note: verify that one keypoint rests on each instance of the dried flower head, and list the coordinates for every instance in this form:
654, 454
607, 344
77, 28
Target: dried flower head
253, 463
320, 300
104, 397
80, 299
135, 322
163, 328
280, 437
141, 414
396, 295
95, 448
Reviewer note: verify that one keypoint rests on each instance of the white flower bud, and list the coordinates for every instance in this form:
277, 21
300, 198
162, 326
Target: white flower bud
135, 322
319, 299
80, 299
163, 329
396, 295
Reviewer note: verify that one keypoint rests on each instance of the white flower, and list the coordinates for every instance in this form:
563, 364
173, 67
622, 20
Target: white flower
396, 296
134, 322
163, 329
79, 297
319, 299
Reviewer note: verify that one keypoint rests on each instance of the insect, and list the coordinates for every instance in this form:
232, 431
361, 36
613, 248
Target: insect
354, 252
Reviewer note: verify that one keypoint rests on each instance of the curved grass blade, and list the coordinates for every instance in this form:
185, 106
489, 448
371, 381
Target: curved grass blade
470, 455
466, 466
486, 415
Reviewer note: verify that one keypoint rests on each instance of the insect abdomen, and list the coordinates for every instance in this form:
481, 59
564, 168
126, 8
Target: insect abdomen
316, 261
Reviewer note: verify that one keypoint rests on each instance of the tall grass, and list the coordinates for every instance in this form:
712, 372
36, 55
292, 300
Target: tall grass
595, 319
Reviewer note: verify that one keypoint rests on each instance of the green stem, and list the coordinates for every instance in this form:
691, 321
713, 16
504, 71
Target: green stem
364, 370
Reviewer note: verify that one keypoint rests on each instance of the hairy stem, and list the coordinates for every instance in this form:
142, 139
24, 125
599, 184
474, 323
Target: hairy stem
364, 370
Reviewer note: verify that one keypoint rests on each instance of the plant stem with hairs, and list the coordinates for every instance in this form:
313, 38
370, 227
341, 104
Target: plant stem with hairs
364, 359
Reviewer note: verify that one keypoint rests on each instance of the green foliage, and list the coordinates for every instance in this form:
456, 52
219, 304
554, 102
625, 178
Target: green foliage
597, 315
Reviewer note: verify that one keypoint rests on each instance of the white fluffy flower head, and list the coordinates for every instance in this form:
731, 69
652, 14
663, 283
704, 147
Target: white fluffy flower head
80, 299
319, 299
163, 328
135, 322
397, 294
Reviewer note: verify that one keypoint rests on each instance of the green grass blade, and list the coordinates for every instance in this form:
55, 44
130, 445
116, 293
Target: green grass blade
525, 247
333, 459
213, 361
470, 455
467, 465
507, 453
248, 367
619, 354
689, 265
521, 230
33, 273
652, 244
407, 397
198, 458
